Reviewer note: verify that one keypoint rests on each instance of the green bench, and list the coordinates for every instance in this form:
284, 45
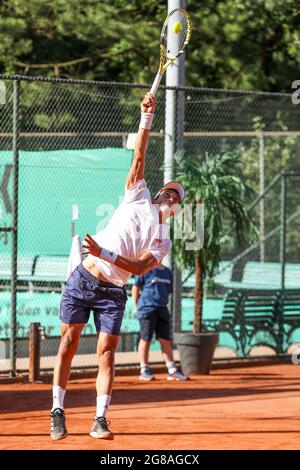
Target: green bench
25, 266
36, 269
51, 269
290, 306
222, 276
264, 275
260, 318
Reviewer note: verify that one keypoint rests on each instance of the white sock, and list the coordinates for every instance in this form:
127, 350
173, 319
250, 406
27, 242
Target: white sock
171, 367
58, 394
103, 402
143, 367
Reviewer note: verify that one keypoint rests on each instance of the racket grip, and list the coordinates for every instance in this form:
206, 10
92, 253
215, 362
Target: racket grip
156, 84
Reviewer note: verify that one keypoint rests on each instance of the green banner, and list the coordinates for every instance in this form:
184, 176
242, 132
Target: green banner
50, 183
44, 308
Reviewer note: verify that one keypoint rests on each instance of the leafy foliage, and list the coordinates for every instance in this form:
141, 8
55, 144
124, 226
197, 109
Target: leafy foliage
235, 43
215, 182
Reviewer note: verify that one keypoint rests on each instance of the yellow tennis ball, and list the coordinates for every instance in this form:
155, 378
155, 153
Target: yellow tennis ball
177, 27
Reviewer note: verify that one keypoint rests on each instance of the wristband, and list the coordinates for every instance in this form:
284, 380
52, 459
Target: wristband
109, 256
146, 120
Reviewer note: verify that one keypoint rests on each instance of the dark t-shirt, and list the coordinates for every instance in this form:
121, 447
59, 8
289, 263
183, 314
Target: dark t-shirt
156, 286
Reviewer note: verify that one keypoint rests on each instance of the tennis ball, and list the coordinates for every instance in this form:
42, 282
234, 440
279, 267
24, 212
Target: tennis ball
177, 27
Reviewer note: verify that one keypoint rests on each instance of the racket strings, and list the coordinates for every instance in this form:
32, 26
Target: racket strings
176, 41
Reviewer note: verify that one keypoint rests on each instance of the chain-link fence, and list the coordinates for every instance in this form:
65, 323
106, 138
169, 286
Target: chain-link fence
257, 286
70, 140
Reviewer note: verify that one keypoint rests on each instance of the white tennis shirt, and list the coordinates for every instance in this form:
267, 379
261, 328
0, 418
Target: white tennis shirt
133, 229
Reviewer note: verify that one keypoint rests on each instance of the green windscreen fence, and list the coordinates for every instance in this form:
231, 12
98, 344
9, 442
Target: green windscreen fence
44, 307
50, 184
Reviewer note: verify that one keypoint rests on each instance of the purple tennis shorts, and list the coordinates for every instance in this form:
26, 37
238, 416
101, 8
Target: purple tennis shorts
84, 292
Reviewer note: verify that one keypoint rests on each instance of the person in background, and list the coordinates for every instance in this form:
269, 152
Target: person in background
150, 294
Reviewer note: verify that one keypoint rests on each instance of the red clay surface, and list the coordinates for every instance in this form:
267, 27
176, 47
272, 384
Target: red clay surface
246, 408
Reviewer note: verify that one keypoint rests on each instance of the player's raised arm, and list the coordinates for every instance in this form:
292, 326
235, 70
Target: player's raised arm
137, 169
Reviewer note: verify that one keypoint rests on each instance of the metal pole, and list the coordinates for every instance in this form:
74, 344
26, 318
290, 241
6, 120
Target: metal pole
174, 123
174, 127
283, 230
262, 201
14, 251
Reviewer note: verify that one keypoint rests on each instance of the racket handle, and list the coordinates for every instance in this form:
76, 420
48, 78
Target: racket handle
156, 84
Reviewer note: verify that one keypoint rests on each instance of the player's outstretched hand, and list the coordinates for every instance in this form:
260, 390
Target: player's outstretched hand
91, 246
148, 104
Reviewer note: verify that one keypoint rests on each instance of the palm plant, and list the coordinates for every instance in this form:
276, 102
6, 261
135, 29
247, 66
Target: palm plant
215, 182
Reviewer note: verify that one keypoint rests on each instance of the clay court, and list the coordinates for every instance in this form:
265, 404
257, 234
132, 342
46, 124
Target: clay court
244, 408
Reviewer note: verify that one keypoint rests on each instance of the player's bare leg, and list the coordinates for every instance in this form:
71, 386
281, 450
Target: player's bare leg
68, 347
106, 347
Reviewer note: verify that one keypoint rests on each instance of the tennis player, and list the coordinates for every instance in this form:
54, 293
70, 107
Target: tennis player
134, 241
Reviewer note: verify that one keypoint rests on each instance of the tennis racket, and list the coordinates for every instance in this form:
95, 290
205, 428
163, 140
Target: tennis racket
175, 35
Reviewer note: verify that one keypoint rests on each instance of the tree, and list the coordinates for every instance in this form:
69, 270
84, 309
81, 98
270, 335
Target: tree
235, 43
244, 44
216, 183
80, 38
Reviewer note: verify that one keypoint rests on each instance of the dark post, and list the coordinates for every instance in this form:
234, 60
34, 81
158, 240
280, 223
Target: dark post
14, 251
176, 299
34, 352
283, 230
282, 257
